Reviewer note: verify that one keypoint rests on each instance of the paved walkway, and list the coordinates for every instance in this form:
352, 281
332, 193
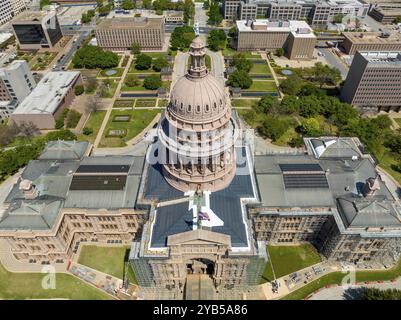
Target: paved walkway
353, 292
110, 107
264, 56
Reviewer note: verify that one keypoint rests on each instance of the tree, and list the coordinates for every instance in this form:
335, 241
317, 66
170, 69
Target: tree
87, 131
44, 3
289, 105
92, 57
64, 134
91, 85
189, 10
152, 82
397, 20
324, 74
104, 10
217, 39
136, 48
143, 62
309, 106
28, 129
73, 118
241, 63
127, 5
93, 104
268, 105
239, 79
233, 32
292, 85
147, 4
377, 294
310, 127
206, 4
280, 52
160, 63
79, 89
182, 37
215, 16
273, 127
131, 80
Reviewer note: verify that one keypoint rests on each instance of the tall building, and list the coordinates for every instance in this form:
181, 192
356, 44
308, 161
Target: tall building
316, 12
370, 41
374, 81
118, 34
9, 9
16, 83
36, 30
386, 12
296, 37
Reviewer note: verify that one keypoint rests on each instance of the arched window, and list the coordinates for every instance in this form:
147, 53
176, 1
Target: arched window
198, 108
207, 108
189, 108
181, 106
215, 105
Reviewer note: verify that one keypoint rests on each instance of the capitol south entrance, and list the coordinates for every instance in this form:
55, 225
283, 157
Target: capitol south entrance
199, 282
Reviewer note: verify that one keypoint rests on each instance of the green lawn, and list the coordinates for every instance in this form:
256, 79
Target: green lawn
124, 103
94, 122
243, 103
109, 260
388, 161
140, 119
162, 103
268, 86
112, 89
288, 259
18, 286
260, 68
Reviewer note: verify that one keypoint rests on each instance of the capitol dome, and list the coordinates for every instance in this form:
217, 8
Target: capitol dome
198, 96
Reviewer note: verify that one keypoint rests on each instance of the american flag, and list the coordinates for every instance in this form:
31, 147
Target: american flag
203, 216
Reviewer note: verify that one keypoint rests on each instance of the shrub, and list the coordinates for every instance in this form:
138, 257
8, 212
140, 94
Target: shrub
73, 118
79, 89
87, 131
152, 82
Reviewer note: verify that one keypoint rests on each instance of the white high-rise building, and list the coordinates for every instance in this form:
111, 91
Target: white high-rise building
10, 8
16, 83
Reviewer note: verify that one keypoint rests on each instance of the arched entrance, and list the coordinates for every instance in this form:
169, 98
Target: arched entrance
200, 266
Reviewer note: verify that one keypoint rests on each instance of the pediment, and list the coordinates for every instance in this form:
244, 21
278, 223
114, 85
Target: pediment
196, 237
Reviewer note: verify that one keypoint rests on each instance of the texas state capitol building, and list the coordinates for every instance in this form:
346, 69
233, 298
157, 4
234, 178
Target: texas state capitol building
200, 202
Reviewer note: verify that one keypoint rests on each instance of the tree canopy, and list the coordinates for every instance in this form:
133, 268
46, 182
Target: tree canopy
152, 82
239, 79
240, 62
160, 63
377, 294
215, 16
217, 39
92, 57
182, 37
143, 62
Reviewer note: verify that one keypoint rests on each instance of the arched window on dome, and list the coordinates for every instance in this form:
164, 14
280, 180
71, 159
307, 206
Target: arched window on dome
181, 106
215, 105
198, 108
189, 108
221, 102
207, 108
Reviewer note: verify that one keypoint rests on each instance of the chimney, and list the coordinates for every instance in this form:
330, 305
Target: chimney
371, 186
29, 190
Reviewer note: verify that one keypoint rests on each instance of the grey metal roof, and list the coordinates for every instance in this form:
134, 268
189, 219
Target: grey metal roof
67, 150
374, 211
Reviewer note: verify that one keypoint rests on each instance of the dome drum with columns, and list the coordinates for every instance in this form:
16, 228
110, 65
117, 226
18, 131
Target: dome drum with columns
197, 132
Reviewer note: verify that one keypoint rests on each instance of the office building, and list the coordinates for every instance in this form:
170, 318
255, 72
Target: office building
374, 81
9, 9
47, 101
118, 34
35, 30
296, 37
316, 12
16, 83
370, 41
386, 13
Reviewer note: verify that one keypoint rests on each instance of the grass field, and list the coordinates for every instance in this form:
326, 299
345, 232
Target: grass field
109, 260
260, 68
387, 162
94, 122
268, 86
145, 103
140, 119
244, 103
288, 259
29, 286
